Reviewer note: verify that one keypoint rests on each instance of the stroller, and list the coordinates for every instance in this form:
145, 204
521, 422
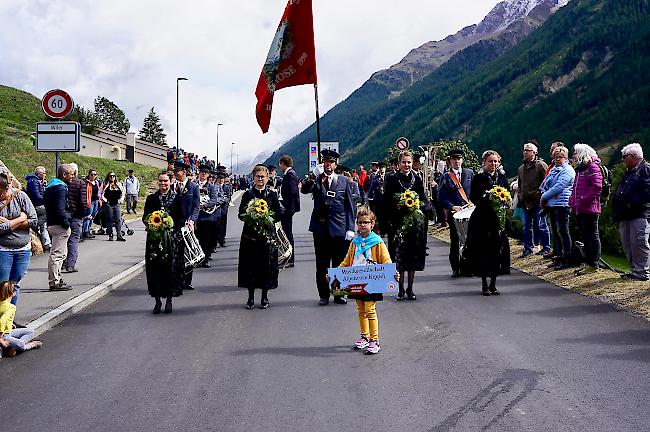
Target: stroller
99, 220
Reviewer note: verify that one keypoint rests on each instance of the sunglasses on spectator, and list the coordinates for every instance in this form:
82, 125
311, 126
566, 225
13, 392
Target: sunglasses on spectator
260, 176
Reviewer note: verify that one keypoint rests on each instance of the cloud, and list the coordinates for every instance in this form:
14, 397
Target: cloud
132, 53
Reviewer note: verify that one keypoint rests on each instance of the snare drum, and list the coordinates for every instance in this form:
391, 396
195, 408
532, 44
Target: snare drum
461, 220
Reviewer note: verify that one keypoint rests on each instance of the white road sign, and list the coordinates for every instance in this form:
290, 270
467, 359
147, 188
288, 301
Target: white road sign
58, 136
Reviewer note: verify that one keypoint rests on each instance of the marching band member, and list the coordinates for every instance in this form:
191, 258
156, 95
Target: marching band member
407, 245
188, 194
452, 195
208, 223
332, 220
223, 208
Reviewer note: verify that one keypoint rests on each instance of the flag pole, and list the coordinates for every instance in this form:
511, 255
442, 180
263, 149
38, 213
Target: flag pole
317, 121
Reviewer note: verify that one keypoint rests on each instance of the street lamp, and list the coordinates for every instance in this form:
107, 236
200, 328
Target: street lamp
237, 165
177, 81
218, 124
231, 147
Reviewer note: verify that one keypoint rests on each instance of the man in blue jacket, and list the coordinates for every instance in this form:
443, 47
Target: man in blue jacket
190, 198
332, 220
209, 222
35, 189
55, 200
453, 194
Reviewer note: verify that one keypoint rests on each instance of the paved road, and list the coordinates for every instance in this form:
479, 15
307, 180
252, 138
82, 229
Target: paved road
537, 358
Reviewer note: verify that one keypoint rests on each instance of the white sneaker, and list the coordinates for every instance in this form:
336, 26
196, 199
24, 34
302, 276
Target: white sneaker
361, 343
373, 347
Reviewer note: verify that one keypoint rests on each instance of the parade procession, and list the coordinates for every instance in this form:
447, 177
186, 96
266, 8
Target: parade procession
224, 264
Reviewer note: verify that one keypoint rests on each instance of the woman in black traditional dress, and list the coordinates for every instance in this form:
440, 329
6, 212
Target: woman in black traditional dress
487, 247
408, 248
258, 254
164, 270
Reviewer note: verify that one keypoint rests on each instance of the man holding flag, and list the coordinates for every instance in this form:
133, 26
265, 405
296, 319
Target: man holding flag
291, 60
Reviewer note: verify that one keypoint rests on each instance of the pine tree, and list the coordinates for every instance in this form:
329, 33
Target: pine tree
110, 116
152, 130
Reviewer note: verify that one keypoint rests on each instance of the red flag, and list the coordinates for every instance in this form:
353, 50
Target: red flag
291, 60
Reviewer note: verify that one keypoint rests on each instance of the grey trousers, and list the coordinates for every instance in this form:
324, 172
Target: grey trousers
76, 226
42, 225
58, 253
634, 237
131, 202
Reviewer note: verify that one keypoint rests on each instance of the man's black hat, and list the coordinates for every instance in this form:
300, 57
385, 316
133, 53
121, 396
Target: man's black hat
374, 163
130, 171
456, 153
381, 164
418, 153
221, 175
328, 154
272, 167
180, 165
205, 168
221, 167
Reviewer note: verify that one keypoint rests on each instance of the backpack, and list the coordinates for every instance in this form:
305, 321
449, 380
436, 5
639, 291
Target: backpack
607, 184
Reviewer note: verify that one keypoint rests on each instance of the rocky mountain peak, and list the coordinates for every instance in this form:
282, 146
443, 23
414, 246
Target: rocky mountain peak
426, 58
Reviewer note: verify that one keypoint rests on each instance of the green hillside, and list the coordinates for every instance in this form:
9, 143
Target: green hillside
580, 77
19, 112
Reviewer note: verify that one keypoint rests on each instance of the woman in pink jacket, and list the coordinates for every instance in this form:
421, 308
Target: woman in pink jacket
585, 203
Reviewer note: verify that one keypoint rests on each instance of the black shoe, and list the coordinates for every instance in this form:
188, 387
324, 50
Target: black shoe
157, 307
110, 237
291, 264
168, 306
455, 274
204, 264
410, 295
222, 244
493, 290
324, 301
250, 304
81, 239
61, 286
526, 253
209, 258
485, 292
189, 288
340, 300
561, 265
120, 238
264, 304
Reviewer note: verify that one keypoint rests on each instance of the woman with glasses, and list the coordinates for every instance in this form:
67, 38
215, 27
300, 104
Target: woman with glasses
487, 247
93, 185
112, 197
258, 252
556, 190
407, 242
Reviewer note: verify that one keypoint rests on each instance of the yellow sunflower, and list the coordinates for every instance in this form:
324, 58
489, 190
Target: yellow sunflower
410, 202
155, 220
405, 195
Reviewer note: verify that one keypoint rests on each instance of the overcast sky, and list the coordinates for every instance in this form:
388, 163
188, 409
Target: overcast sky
132, 52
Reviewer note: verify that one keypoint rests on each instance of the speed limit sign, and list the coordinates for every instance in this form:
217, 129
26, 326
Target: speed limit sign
57, 104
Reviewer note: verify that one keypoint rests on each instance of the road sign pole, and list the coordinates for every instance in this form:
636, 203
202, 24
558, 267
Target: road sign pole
57, 163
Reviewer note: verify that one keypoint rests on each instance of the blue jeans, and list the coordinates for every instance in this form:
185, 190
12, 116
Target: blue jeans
561, 235
535, 229
13, 266
88, 223
19, 337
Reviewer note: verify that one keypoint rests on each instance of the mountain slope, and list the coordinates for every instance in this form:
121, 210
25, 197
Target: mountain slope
508, 23
579, 77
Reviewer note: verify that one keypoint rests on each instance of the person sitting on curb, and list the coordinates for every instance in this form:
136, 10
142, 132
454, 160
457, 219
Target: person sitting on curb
13, 340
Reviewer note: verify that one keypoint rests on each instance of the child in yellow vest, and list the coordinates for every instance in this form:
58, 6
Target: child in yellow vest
12, 340
367, 248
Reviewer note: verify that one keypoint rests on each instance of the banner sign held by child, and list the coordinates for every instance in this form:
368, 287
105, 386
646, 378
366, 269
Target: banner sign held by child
368, 279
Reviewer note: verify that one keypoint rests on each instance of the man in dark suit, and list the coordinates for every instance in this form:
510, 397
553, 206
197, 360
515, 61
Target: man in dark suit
190, 197
332, 220
453, 194
223, 208
290, 199
209, 222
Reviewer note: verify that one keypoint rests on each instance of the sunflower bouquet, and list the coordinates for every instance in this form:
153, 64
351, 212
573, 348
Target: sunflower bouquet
159, 226
409, 203
260, 217
500, 199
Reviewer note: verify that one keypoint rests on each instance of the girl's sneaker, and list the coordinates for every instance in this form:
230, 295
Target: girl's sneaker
361, 343
373, 347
